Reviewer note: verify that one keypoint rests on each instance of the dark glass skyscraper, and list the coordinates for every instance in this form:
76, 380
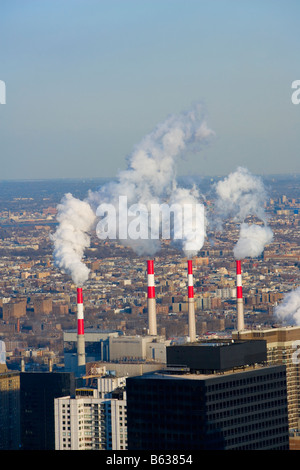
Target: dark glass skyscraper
38, 390
243, 408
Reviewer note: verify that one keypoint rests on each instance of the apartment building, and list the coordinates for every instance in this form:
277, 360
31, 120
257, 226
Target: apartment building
93, 419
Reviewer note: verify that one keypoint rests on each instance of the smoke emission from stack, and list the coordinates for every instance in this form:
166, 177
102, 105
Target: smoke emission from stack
71, 238
150, 177
240, 195
252, 240
288, 311
191, 304
189, 228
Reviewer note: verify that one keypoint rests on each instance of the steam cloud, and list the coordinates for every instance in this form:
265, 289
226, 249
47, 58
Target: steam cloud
252, 240
240, 195
288, 311
150, 177
71, 238
191, 237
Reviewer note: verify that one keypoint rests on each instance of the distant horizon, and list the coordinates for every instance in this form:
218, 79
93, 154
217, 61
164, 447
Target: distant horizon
191, 177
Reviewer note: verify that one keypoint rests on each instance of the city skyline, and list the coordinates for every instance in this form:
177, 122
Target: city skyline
42, 324
86, 83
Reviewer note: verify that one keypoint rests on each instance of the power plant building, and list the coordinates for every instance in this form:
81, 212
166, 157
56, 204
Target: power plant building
97, 347
138, 348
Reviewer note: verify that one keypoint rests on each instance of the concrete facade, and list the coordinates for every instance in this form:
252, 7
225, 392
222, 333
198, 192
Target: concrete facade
282, 346
89, 421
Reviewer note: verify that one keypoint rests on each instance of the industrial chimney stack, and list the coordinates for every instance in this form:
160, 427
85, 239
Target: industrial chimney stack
239, 297
151, 303
80, 330
191, 303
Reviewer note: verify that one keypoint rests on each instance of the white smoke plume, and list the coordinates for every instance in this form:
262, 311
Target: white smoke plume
288, 311
189, 229
240, 195
150, 176
252, 240
71, 238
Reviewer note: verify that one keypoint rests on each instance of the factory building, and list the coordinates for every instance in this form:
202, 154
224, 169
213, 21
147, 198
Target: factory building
138, 348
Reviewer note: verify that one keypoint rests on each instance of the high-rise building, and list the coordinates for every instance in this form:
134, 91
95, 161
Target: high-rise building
94, 418
37, 393
9, 409
282, 344
213, 395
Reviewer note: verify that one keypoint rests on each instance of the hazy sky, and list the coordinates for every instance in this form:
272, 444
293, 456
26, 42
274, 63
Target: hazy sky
87, 79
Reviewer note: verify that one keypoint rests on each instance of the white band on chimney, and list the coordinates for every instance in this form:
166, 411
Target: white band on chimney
80, 311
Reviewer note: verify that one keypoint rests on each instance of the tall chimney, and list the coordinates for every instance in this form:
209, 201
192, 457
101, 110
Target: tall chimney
151, 304
80, 329
191, 303
239, 297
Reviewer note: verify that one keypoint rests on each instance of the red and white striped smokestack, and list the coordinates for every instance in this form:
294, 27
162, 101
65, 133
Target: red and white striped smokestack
80, 329
239, 297
151, 303
191, 303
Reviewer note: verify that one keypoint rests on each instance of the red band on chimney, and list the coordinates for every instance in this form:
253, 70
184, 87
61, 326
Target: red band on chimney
238, 267
190, 266
150, 266
191, 292
79, 295
80, 327
239, 292
151, 292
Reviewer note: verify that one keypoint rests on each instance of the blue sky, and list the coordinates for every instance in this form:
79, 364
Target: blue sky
87, 79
